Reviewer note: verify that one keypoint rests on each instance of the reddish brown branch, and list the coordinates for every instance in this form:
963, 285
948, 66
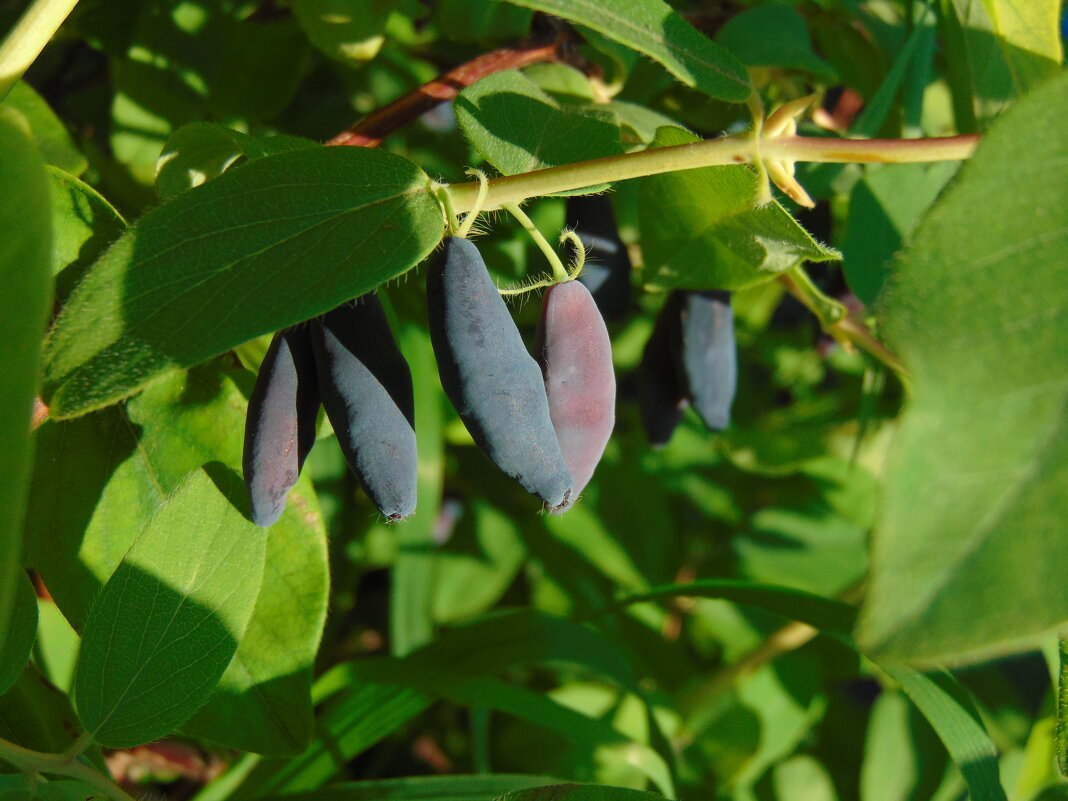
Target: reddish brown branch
379, 124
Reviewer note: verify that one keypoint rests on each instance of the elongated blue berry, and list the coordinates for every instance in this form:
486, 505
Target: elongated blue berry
280, 426
575, 354
608, 268
366, 388
708, 354
490, 378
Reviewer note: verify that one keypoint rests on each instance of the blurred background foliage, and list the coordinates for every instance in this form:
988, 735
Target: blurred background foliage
745, 705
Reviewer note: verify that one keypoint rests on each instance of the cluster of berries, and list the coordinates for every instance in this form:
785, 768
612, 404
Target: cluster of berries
543, 420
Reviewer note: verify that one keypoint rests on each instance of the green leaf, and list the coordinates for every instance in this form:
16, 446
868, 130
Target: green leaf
201, 151
16, 637
263, 701
46, 129
414, 575
518, 128
436, 788
25, 276
884, 208
349, 31
651, 27
946, 705
700, 229
83, 225
113, 467
580, 792
746, 35
902, 757
35, 715
167, 623
55, 651
967, 559
481, 21
1004, 48
283, 239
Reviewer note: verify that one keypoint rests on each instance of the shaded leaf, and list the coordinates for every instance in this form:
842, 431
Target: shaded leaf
967, 559
349, 31
16, 636
427, 675
289, 236
746, 35
481, 20
35, 715
84, 223
166, 625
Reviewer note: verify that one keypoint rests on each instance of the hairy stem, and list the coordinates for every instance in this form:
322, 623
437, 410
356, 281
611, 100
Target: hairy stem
737, 149
28, 38
559, 273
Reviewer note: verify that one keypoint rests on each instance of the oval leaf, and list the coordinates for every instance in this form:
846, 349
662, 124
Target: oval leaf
167, 623
969, 558
278, 241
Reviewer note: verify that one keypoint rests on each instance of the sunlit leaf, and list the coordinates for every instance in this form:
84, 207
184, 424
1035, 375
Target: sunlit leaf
968, 560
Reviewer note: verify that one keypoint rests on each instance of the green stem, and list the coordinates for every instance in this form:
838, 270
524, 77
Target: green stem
829, 310
559, 273
28, 38
737, 149
835, 320
34, 762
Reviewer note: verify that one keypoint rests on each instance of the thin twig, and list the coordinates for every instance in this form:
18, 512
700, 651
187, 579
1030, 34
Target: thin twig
847, 327
379, 124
